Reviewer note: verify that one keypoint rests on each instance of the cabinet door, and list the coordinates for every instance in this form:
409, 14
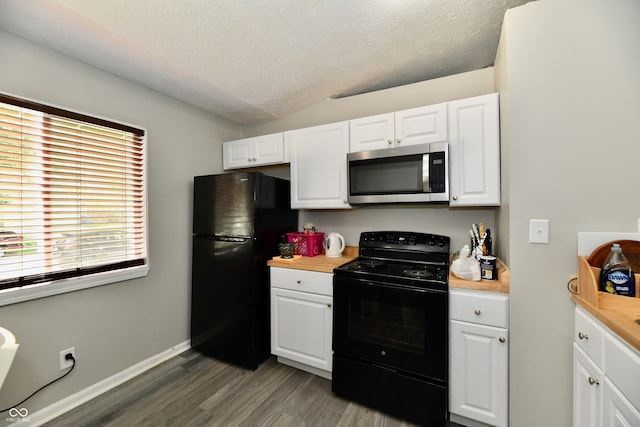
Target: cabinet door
268, 149
474, 151
371, 133
587, 390
618, 411
255, 151
319, 166
478, 384
421, 125
237, 154
301, 327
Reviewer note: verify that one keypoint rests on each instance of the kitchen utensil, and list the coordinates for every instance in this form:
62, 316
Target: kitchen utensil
333, 245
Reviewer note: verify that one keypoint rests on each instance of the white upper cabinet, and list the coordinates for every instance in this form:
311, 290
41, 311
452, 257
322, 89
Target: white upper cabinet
319, 166
407, 127
474, 151
256, 151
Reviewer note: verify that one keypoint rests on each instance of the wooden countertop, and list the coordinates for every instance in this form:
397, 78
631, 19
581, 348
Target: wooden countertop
325, 264
318, 263
500, 285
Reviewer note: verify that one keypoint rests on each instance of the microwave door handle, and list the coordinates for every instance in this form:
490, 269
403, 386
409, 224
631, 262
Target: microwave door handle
425, 173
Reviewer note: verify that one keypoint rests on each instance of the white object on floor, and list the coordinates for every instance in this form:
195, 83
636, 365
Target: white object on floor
8, 348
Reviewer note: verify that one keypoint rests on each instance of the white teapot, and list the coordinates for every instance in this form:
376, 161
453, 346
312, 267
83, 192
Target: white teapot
333, 244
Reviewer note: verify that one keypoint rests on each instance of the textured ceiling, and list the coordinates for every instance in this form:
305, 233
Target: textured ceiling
257, 60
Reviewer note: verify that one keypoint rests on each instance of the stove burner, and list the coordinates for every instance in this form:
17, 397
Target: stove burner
418, 273
371, 262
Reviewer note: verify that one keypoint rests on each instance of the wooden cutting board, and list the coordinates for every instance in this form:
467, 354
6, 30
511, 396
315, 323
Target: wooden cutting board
630, 249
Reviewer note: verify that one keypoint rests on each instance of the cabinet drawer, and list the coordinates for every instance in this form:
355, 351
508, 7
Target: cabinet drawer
589, 336
484, 308
302, 280
622, 365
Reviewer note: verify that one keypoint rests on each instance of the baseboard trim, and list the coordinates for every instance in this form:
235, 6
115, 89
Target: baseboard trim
311, 369
68, 403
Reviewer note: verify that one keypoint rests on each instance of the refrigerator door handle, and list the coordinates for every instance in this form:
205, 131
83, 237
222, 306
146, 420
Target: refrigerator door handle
232, 239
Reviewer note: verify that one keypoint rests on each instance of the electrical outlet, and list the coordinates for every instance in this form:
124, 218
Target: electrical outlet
64, 362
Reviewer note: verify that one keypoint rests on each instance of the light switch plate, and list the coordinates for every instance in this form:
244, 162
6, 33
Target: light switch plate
538, 231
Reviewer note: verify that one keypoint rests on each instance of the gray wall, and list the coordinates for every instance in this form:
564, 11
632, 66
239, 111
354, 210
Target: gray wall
567, 72
114, 326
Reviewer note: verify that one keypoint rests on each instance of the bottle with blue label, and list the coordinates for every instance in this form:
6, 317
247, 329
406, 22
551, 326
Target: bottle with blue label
616, 276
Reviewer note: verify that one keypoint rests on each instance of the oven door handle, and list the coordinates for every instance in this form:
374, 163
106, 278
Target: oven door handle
386, 368
399, 287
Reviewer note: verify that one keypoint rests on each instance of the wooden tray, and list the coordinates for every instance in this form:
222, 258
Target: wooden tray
630, 249
588, 278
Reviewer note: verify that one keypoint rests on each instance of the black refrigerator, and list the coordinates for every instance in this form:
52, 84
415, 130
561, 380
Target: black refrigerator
238, 219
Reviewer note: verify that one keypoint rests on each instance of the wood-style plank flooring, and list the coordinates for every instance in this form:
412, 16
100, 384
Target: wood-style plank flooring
194, 390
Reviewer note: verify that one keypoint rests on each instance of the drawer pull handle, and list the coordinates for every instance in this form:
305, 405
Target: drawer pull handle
583, 336
593, 381
502, 339
477, 312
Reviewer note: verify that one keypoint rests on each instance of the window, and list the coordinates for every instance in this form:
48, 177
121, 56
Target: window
72, 196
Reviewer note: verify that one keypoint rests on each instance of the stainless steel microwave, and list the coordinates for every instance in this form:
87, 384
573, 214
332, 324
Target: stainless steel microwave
415, 173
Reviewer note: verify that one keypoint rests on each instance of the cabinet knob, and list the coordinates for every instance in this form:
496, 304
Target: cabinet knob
477, 312
398, 141
502, 339
253, 159
329, 305
248, 159
583, 336
298, 281
455, 197
389, 141
593, 381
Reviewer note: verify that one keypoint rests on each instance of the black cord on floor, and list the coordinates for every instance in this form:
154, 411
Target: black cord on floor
73, 360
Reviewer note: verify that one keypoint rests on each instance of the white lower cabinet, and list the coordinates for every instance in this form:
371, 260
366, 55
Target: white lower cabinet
606, 389
587, 390
302, 319
478, 358
618, 410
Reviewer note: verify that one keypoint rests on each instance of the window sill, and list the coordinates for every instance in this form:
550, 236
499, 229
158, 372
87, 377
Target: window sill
41, 290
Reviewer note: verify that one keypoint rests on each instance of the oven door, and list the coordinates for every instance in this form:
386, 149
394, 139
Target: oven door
398, 328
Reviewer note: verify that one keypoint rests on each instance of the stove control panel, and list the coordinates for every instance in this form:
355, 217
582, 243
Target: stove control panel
404, 241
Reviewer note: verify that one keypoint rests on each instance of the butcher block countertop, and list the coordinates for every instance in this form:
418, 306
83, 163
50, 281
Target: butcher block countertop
500, 285
619, 313
325, 264
320, 263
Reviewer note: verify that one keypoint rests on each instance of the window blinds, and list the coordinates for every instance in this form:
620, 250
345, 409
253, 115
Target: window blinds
71, 194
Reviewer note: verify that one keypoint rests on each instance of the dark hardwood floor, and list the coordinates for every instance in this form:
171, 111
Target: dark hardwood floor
193, 390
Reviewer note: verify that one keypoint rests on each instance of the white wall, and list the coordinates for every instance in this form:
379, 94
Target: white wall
423, 218
114, 326
570, 99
